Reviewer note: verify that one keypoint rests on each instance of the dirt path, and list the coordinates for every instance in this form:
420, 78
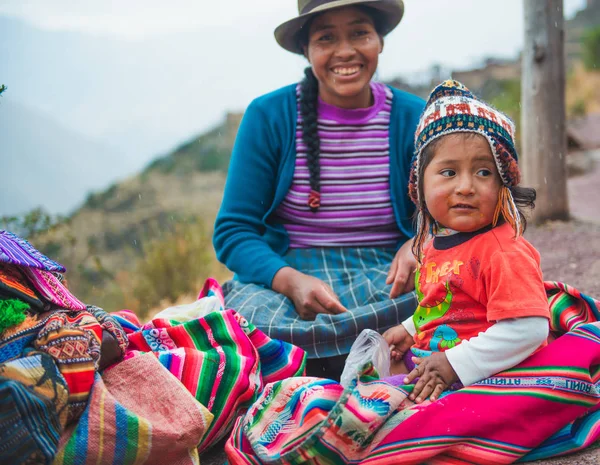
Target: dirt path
570, 253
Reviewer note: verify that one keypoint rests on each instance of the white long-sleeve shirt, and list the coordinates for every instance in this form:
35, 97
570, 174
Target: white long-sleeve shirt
504, 345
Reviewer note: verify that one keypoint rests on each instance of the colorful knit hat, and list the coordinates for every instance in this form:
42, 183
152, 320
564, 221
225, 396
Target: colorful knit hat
453, 108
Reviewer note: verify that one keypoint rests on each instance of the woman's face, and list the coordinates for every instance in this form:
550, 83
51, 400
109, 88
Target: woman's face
343, 49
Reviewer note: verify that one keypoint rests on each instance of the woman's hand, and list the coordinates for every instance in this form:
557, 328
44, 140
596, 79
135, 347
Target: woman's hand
435, 375
401, 272
310, 295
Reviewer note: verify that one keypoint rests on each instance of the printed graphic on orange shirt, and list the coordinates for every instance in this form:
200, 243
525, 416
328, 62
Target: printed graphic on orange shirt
435, 272
444, 337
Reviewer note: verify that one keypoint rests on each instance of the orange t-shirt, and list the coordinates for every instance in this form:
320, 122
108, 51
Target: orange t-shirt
470, 280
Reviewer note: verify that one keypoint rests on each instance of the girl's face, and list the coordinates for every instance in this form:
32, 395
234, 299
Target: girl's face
343, 49
461, 184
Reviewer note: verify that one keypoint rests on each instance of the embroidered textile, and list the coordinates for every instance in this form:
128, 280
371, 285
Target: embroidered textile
73, 340
52, 289
548, 405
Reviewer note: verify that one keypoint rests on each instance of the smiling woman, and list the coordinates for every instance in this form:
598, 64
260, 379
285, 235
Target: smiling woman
315, 220
343, 48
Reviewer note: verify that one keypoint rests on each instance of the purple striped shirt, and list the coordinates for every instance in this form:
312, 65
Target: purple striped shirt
356, 208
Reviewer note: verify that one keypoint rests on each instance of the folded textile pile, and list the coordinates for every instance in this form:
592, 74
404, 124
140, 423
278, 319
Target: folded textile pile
50, 351
79, 385
181, 386
27, 274
548, 405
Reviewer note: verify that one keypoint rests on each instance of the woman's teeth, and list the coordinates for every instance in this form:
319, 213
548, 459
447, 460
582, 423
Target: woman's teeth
346, 71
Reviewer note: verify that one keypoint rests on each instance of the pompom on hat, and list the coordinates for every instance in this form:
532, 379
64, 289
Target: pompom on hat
452, 108
288, 33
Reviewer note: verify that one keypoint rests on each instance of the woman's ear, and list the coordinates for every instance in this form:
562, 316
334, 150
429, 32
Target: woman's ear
305, 52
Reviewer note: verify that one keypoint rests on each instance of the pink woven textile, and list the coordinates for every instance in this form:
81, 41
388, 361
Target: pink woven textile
52, 290
138, 413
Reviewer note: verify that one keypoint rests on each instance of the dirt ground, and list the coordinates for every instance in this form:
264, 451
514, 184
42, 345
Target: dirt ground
570, 253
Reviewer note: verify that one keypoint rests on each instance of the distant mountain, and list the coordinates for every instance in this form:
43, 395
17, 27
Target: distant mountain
43, 160
102, 87
140, 96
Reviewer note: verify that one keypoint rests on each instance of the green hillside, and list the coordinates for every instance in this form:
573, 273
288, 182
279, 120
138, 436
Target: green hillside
106, 243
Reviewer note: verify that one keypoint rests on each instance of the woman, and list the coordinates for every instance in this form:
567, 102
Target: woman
316, 222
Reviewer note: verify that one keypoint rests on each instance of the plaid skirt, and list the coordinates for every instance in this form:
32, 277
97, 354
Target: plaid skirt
357, 275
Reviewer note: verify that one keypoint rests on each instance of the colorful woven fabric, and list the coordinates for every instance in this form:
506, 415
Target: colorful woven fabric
453, 108
13, 284
569, 308
15, 250
51, 289
127, 320
13, 347
211, 288
73, 340
548, 405
111, 325
219, 359
137, 413
33, 397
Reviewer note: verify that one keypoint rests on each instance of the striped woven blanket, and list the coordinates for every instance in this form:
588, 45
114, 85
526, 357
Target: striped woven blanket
547, 406
179, 389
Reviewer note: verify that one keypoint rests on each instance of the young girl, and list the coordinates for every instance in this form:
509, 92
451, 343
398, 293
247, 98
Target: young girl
482, 305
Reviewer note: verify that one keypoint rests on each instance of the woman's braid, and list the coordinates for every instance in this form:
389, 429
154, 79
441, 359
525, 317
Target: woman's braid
310, 135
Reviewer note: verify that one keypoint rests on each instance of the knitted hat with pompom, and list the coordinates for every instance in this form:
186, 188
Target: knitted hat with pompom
453, 108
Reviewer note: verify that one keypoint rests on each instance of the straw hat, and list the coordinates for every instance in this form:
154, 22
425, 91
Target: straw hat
286, 34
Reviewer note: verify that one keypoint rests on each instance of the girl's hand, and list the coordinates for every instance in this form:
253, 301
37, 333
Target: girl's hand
435, 375
310, 295
402, 270
399, 340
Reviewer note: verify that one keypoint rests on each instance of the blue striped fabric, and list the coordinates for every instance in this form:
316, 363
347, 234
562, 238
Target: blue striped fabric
357, 275
33, 396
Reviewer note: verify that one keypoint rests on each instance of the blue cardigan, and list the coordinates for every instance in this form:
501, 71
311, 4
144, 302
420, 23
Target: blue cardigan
260, 174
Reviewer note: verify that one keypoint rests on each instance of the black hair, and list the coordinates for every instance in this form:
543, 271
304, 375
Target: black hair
309, 96
310, 129
524, 198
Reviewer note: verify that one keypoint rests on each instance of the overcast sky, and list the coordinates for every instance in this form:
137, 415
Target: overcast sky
472, 28
163, 72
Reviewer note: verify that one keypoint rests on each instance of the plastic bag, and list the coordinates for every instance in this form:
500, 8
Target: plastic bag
370, 346
186, 312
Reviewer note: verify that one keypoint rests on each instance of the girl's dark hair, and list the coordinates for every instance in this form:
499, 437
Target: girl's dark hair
524, 198
309, 96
